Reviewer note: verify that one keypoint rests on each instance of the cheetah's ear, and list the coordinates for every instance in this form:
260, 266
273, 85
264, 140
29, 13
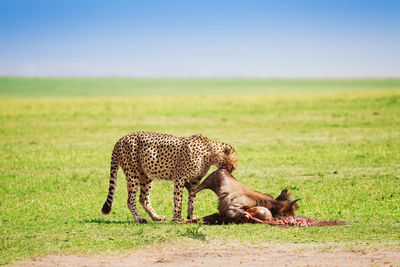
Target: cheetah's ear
227, 150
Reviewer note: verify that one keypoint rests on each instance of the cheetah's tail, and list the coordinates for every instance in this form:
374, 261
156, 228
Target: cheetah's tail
113, 181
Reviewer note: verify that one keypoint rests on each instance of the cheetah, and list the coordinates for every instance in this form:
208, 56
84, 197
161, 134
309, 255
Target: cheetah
145, 156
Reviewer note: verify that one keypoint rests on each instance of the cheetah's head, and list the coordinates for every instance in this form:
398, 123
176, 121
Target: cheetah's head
227, 159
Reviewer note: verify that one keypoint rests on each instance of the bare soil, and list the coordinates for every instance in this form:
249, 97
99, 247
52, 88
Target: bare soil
206, 254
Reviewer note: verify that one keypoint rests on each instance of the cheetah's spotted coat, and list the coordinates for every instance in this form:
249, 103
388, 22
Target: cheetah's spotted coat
145, 156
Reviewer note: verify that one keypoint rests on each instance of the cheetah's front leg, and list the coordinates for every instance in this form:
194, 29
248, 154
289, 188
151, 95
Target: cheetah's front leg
192, 186
178, 191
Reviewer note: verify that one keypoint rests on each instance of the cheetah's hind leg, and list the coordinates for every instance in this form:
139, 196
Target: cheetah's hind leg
145, 188
133, 184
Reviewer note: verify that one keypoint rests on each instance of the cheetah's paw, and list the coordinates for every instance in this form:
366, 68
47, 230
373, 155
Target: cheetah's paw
160, 218
140, 220
177, 220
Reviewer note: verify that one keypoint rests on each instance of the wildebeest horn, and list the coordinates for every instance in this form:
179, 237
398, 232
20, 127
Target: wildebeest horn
284, 195
294, 201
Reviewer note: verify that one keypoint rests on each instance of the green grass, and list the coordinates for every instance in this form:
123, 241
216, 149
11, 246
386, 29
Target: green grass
334, 143
95, 87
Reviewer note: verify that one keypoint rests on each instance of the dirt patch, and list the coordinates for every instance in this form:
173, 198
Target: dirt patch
227, 255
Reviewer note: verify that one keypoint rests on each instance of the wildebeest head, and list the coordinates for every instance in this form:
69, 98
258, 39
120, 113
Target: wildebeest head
283, 206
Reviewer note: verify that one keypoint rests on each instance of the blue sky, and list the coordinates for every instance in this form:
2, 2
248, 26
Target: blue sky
200, 38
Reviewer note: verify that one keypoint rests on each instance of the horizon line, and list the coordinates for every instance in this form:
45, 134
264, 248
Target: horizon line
369, 77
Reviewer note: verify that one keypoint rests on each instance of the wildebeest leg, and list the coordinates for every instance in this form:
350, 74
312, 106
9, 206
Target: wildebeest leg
235, 214
242, 216
215, 218
187, 186
209, 219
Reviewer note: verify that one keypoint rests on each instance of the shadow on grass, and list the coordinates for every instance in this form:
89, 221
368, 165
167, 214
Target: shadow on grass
100, 221
126, 222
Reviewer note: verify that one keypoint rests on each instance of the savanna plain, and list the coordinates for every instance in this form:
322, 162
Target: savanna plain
333, 143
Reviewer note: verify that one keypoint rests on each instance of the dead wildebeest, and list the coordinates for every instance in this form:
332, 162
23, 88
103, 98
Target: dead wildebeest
239, 204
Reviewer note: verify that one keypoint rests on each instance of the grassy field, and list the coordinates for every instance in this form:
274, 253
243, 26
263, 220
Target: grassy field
334, 143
